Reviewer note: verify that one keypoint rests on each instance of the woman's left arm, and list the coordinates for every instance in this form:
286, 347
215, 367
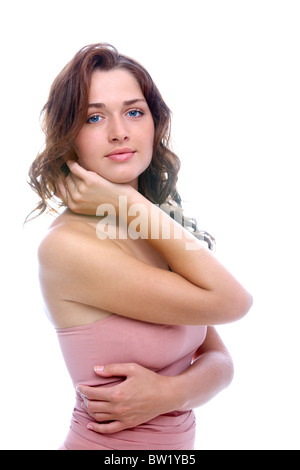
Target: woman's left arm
144, 395
211, 372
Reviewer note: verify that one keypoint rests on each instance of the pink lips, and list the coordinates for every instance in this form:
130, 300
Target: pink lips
121, 155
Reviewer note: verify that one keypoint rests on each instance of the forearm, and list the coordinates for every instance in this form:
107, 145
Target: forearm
215, 296
211, 372
145, 394
202, 381
220, 293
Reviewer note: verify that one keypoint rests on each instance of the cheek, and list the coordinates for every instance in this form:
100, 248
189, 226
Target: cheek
83, 148
79, 144
150, 134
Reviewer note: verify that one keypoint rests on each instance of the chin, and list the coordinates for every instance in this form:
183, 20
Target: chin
122, 175
121, 178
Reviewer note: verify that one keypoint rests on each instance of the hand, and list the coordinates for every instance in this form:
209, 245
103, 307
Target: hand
83, 191
143, 396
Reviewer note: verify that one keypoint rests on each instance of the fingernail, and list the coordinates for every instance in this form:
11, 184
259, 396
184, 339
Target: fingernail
98, 368
91, 427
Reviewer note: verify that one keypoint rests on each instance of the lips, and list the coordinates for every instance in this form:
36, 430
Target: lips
121, 155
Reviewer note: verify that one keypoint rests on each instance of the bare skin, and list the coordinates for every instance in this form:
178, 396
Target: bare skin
198, 290
144, 394
151, 279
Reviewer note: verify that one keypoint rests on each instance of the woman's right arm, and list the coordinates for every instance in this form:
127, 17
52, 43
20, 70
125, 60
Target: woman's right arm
198, 290
221, 296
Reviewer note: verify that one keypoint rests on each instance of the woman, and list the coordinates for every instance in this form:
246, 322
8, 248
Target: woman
123, 283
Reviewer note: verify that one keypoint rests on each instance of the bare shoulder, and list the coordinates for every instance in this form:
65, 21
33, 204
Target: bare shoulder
78, 269
69, 241
65, 256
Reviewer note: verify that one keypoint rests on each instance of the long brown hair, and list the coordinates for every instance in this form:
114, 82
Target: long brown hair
65, 113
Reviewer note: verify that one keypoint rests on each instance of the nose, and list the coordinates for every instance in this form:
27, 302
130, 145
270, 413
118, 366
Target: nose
117, 131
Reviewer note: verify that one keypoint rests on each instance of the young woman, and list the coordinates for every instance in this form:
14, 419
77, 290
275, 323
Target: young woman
129, 290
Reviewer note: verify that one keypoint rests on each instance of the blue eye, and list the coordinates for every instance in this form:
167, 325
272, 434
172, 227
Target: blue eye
134, 113
94, 119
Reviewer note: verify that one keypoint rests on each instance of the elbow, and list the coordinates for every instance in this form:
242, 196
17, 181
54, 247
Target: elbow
229, 369
246, 303
234, 307
241, 305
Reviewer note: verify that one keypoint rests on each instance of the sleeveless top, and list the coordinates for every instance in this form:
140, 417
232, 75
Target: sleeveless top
164, 349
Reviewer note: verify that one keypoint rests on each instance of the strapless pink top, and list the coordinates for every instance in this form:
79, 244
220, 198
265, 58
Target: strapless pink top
167, 350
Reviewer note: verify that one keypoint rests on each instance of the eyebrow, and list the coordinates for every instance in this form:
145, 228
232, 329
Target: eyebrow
125, 103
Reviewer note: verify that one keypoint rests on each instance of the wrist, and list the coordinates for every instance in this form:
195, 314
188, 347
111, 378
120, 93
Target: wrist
173, 393
133, 209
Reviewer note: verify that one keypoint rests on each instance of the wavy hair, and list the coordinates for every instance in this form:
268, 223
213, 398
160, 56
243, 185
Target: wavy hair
65, 113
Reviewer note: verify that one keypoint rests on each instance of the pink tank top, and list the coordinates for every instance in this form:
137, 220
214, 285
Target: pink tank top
167, 350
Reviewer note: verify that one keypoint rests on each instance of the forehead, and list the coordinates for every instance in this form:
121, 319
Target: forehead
113, 84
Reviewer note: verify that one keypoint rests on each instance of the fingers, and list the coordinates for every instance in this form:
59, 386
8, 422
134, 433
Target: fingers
94, 393
107, 428
101, 411
108, 404
77, 170
65, 187
61, 191
116, 370
112, 407
81, 175
68, 189
110, 370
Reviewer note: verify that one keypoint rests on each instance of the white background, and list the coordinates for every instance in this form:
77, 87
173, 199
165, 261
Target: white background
230, 72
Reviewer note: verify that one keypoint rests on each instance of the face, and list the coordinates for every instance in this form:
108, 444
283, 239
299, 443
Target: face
117, 139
